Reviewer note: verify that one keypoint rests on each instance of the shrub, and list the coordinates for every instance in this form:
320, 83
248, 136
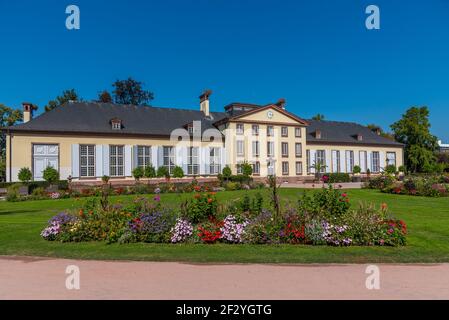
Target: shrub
51, 175
162, 172
338, 177
390, 169
380, 182
25, 175
39, 192
154, 226
138, 173
105, 179
402, 169
232, 186
226, 172
150, 172
356, 170
203, 206
12, 193
178, 172
328, 203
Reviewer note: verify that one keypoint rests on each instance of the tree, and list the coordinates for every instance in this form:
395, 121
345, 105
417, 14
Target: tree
178, 172
130, 91
318, 117
67, 95
25, 175
105, 97
226, 173
8, 117
413, 130
51, 175
150, 172
138, 173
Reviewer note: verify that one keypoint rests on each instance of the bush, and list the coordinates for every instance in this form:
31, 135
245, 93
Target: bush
338, 177
226, 172
138, 173
402, 169
162, 172
178, 172
203, 206
380, 182
328, 203
232, 186
13, 193
356, 170
51, 175
25, 175
150, 172
390, 169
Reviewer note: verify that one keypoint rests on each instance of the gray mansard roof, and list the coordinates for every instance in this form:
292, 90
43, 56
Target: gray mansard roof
93, 117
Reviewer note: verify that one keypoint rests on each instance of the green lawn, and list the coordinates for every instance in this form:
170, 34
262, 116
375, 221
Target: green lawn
427, 220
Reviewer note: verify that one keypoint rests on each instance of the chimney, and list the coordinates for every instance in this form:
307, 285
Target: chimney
359, 137
281, 103
27, 111
318, 134
204, 102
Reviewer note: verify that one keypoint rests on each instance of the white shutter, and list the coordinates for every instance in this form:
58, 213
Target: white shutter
128, 161
179, 156
75, 160
356, 159
154, 156
328, 161
222, 158
382, 160
206, 160
160, 156
334, 161
135, 152
348, 161
99, 160
343, 161
363, 160
312, 160
184, 159
369, 161
106, 159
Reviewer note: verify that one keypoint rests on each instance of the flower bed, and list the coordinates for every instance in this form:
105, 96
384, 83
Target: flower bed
324, 217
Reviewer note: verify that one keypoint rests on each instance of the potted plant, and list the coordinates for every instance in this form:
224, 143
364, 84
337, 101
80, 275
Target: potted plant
51, 175
25, 177
356, 174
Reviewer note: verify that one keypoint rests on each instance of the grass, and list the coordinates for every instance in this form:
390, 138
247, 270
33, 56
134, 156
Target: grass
427, 220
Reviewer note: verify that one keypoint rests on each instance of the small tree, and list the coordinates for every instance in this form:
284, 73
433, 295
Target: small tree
163, 172
402, 169
178, 172
247, 171
356, 170
319, 170
226, 173
138, 173
390, 169
150, 172
105, 179
25, 175
51, 175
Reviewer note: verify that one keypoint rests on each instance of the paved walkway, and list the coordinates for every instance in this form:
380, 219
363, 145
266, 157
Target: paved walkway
41, 278
309, 185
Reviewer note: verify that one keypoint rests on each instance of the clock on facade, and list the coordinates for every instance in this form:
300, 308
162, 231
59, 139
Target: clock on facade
270, 114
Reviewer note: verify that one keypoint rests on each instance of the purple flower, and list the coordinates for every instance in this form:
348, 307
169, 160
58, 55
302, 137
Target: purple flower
182, 230
157, 198
231, 230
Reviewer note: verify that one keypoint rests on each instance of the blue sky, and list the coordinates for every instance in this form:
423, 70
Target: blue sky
318, 55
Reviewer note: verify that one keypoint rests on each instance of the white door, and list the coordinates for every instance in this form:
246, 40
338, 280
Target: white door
44, 155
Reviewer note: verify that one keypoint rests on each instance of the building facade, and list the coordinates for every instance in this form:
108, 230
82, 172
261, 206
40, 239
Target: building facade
87, 140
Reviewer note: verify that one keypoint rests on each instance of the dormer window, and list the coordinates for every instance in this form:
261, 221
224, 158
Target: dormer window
359, 137
190, 129
116, 124
318, 134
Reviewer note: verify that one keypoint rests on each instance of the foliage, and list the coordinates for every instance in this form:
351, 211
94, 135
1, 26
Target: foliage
150, 172
50, 174
318, 117
376, 128
162, 172
413, 130
105, 97
67, 95
178, 172
390, 169
380, 182
337, 177
226, 172
182, 231
201, 207
25, 175
138, 173
12, 193
252, 206
210, 231
130, 91
425, 185
327, 203
356, 169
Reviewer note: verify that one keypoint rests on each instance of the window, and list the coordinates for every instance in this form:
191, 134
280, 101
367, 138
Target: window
192, 161
255, 148
270, 149
270, 131
190, 128
321, 159
391, 158
363, 161
214, 160
239, 168
116, 124
349, 161
116, 163
256, 168
284, 167
336, 164
298, 150
169, 158
87, 160
255, 129
298, 166
240, 151
240, 128
376, 162
284, 147
143, 156
284, 131
298, 132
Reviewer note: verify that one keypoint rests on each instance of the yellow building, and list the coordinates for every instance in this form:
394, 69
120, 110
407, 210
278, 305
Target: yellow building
86, 140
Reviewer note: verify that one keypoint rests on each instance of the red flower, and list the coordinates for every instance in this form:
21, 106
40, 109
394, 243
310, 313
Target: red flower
344, 195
